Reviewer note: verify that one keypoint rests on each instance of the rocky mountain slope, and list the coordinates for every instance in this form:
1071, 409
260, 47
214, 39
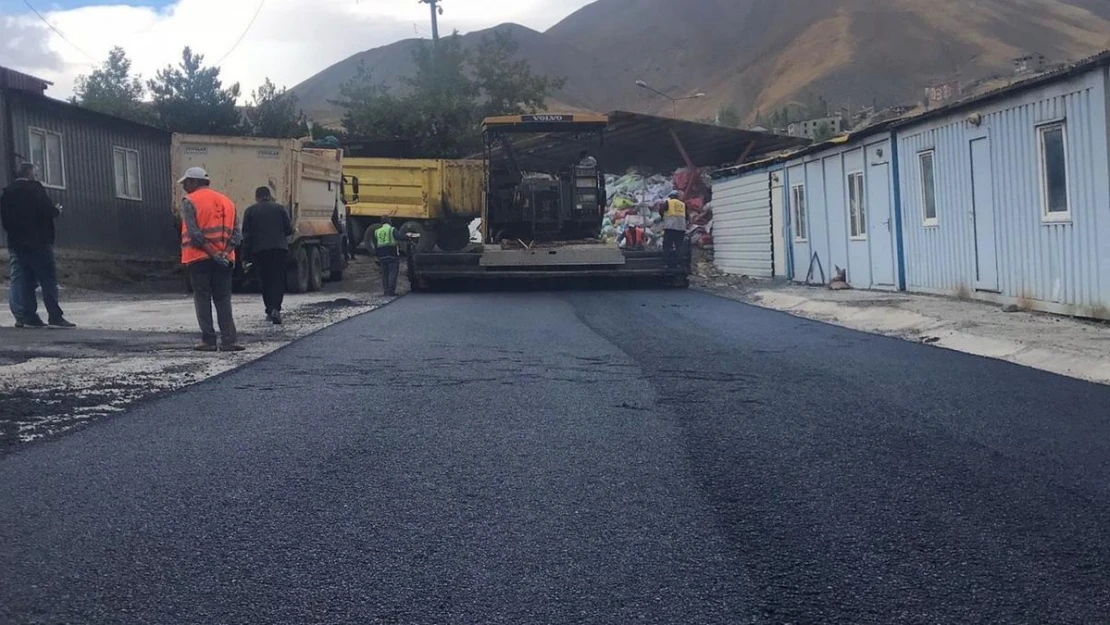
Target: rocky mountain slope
760, 55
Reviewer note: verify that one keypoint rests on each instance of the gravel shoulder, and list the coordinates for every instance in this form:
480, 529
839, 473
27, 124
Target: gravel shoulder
134, 345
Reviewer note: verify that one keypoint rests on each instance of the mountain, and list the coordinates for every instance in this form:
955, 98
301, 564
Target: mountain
760, 55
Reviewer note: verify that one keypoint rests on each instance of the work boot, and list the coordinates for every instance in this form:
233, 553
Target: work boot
32, 322
61, 322
205, 347
234, 347
275, 317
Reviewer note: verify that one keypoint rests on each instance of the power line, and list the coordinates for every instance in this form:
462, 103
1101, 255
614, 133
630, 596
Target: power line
242, 36
56, 31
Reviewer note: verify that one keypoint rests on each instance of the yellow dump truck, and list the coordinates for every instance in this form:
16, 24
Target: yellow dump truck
307, 181
435, 198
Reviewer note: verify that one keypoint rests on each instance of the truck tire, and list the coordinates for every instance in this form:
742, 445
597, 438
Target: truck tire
296, 280
315, 269
453, 237
335, 272
355, 234
427, 241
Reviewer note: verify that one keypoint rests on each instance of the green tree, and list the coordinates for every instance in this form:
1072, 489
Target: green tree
113, 90
371, 109
729, 117
447, 97
191, 98
442, 97
273, 112
505, 83
824, 133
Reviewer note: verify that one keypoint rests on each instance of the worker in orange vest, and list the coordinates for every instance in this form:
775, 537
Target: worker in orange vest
210, 232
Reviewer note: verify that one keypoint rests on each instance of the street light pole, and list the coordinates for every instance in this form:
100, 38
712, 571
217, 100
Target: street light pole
674, 101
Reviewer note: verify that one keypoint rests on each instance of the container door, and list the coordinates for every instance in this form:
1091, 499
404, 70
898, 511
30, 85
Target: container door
778, 225
982, 185
882, 229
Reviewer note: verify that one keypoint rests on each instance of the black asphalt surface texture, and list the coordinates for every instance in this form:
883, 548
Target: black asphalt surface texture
576, 457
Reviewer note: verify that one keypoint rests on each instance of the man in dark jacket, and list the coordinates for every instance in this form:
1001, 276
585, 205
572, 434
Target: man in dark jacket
27, 214
266, 232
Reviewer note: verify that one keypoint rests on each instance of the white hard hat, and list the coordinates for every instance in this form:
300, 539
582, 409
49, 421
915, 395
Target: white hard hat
194, 173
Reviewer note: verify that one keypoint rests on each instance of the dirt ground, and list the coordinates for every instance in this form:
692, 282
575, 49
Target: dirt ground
134, 340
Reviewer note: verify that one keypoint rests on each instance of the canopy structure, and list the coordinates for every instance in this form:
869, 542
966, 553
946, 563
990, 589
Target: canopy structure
634, 140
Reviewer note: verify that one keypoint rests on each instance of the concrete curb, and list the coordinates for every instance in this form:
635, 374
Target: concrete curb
913, 326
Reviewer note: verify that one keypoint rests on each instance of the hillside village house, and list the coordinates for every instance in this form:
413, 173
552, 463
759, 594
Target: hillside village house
112, 176
1003, 197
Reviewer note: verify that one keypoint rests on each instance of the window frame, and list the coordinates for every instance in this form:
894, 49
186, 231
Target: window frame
44, 170
862, 212
1047, 216
934, 221
122, 195
799, 216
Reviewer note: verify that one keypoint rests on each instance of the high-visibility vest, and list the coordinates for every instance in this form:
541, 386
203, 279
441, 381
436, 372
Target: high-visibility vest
675, 218
384, 236
216, 219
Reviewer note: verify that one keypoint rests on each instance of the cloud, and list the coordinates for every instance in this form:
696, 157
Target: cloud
25, 45
290, 41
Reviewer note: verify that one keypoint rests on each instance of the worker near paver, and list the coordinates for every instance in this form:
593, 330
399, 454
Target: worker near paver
585, 160
266, 232
210, 232
674, 229
389, 255
27, 214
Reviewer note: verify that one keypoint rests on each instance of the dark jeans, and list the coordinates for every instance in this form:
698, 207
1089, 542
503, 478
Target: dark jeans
271, 274
391, 266
672, 247
32, 267
212, 285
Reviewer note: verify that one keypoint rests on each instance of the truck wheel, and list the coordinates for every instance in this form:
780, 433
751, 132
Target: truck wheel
315, 270
427, 241
453, 237
296, 279
355, 232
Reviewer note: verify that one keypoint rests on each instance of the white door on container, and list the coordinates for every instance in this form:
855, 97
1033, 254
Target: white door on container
882, 229
778, 226
982, 196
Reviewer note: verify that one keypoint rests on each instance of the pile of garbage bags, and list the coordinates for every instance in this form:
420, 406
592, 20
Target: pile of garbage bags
635, 200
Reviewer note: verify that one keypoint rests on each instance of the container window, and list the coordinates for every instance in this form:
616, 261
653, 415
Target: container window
126, 165
1054, 172
46, 154
928, 188
857, 208
798, 206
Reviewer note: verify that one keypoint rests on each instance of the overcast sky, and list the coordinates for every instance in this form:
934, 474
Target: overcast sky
290, 41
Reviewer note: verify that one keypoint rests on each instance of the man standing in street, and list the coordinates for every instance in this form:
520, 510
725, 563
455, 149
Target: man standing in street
389, 256
266, 232
28, 215
674, 229
210, 232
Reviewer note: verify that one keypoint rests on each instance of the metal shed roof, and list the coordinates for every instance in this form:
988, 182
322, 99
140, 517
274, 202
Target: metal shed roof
638, 140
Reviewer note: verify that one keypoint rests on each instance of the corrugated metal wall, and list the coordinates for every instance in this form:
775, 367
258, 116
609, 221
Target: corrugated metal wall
870, 260
94, 218
742, 226
1060, 267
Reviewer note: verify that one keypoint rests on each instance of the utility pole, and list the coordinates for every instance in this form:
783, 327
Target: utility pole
436, 12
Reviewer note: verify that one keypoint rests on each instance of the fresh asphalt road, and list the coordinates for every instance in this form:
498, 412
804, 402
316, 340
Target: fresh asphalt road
576, 457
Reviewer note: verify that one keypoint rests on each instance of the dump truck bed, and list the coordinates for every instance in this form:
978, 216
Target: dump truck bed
419, 189
306, 181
